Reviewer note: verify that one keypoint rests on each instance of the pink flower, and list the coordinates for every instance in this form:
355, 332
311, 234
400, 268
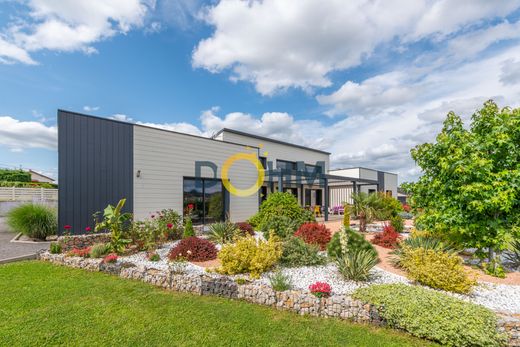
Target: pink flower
320, 289
67, 227
87, 229
169, 225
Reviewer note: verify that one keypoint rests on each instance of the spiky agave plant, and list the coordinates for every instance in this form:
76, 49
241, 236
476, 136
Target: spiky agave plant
356, 264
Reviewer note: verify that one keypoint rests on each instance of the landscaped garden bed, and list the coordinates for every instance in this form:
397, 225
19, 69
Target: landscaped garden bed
291, 263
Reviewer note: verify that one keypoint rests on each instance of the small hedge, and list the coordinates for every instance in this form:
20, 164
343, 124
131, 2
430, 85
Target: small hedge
298, 253
28, 184
32, 220
281, 204
436, 269
314, 234
281, 226
432, 315
193, 249
249, 255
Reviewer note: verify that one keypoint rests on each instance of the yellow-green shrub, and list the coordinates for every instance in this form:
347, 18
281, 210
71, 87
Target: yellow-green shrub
249, 255
436, 269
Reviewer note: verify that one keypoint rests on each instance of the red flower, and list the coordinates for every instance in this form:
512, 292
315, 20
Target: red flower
111, 258
87, 229
67, 227
320, 289
169, 225
190, 206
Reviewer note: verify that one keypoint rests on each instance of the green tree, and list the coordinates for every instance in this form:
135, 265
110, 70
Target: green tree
470, 188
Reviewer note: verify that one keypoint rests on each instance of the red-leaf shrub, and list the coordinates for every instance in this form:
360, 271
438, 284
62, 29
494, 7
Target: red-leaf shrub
388, 238
314, 233
193, 249
406, 208
320, 289
245, 228
80, 252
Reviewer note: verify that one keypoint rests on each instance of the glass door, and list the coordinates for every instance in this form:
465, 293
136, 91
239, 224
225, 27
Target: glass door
203, 198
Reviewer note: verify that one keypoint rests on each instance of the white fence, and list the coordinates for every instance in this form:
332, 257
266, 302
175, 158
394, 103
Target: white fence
28, 194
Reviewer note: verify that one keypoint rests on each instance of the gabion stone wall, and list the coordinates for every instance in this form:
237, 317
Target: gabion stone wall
303, 303
81, 241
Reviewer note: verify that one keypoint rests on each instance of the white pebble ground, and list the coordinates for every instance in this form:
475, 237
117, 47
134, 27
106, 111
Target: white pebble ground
498, 297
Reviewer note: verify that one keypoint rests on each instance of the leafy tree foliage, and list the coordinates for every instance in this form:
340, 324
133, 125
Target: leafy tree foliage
470, 188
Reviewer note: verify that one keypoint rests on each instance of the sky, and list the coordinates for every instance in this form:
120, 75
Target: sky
365, 80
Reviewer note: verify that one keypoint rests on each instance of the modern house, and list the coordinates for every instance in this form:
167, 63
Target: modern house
103, 160
38, 177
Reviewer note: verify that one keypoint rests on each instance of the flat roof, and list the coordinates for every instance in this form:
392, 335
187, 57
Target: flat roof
154, 128
233, 131
362, 167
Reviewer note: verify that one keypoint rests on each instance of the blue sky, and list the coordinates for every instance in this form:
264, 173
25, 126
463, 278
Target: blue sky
364, 80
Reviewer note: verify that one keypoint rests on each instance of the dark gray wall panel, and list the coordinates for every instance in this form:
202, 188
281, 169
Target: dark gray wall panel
95, 158
381, 181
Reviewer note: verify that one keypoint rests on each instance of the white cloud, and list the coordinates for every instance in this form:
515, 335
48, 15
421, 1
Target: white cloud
19, 135
69, 26
372, 95
87, 108
510, 73
278, 44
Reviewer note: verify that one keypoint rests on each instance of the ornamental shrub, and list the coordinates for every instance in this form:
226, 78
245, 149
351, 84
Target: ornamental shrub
315, 234
397, 223
111, 258
436, 269
249, 255
245, 228
295, 252
356, 241
32, 220
188, 228
281, 204
388, 207
389, 238
99, 250
432, 315
405, 215
425, 242
79, 252
281, 226
169, 223
55, 248
193, 249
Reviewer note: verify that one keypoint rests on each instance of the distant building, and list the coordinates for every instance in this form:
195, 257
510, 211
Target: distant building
38, 177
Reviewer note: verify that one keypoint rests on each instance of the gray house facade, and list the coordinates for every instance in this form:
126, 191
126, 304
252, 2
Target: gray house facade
227, 176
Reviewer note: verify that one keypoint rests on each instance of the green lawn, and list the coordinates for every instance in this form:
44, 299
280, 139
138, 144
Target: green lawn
42, 304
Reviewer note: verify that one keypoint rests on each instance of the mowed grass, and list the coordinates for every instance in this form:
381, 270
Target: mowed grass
42, 304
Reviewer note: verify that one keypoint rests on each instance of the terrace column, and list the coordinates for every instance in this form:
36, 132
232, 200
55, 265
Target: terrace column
326, 197
280, 181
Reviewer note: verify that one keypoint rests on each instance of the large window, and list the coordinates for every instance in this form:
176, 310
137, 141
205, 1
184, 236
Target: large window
204, 197
313, 168
286, 165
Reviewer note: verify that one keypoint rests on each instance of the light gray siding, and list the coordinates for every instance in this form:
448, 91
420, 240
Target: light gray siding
391, 183
276, 150
164, 158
